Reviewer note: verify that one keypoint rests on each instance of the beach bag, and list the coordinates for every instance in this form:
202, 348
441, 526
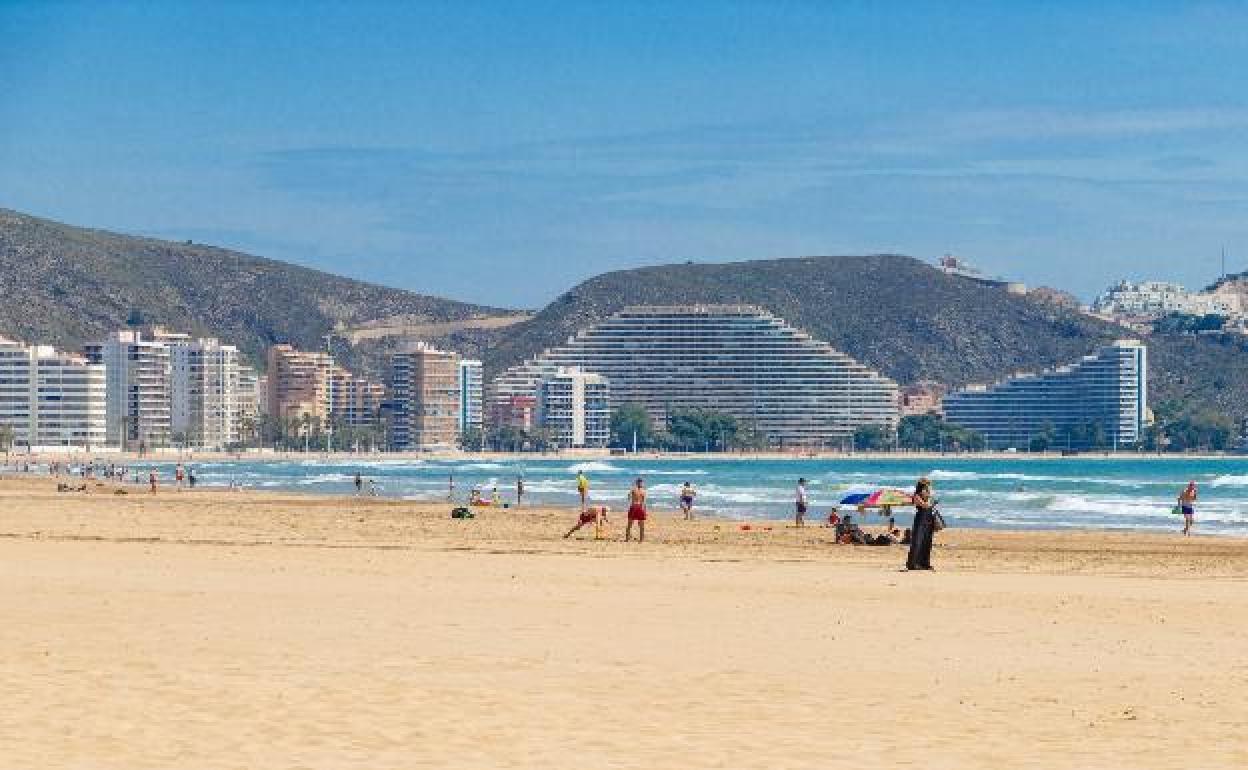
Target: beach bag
938, 521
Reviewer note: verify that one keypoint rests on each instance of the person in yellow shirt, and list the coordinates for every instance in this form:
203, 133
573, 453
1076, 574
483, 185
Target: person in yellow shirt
582, 488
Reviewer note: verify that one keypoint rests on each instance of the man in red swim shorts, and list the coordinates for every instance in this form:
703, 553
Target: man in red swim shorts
636, 511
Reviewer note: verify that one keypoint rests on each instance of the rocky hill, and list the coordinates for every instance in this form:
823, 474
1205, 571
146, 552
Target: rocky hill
66, 285
894, 313
902, 317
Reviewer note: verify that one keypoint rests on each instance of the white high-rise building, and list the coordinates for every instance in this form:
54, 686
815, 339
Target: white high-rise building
51, 399
575, 407
205, 402
471, 396
137, 368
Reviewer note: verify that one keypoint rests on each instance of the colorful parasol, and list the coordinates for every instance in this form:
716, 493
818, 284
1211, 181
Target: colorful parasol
879, 498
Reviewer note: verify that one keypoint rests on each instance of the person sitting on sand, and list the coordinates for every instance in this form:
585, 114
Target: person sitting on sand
686, 500
636, 511
1187, 504
594, 514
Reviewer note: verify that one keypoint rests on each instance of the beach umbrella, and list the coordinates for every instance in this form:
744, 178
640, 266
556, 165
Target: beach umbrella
879, 498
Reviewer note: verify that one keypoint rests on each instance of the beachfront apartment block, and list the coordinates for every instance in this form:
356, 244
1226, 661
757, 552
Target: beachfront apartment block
298, 384
425, 386
311, 388
138, 373
738, 359
354, 401
471, 396
1108, 389
50, 399
204, 393
574, 407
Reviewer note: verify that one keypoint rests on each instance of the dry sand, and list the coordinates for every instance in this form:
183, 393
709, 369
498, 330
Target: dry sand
244, 630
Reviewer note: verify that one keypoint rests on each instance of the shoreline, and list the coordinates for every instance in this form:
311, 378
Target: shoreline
254, 456
705, 529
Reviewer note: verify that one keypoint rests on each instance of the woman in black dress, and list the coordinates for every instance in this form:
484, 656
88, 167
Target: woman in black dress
920, 555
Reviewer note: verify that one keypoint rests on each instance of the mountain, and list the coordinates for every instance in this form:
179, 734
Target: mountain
902, 317
66, 285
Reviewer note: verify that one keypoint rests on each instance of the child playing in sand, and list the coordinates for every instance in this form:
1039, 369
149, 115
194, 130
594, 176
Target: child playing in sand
594, 514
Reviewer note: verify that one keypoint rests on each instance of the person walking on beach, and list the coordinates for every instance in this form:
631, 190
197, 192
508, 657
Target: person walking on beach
151, 480
1187, 504
177, 476
519, 490
686, 500
801, 501
359, 484
582, 488
920, 555
636, 511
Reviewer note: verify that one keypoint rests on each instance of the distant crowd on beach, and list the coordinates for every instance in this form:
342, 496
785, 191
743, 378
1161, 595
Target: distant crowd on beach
846, 524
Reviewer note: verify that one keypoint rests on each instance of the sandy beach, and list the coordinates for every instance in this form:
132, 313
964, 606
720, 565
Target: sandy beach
211, 629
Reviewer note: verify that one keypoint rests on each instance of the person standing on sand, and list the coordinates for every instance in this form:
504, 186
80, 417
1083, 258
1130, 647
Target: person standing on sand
920, 554
636, 511
359, 484
1187, 504
801, 501
151, 480
519, 490
582, 488
686, 500
177, 476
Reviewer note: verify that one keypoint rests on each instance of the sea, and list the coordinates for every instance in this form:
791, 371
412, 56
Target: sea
1057, 493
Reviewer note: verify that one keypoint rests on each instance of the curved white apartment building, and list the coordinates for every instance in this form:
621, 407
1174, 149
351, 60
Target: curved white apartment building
738, 359
1108, 388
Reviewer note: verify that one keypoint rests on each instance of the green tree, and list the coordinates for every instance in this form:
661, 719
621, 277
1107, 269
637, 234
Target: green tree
1044, 439
873, 438
473, 438
702, 429
7, 435
628, 420
931, 433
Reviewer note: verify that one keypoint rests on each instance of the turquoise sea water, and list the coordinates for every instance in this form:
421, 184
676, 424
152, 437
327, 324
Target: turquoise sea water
1129, 493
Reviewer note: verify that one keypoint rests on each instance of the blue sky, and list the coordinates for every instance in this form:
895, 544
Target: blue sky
502, 152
